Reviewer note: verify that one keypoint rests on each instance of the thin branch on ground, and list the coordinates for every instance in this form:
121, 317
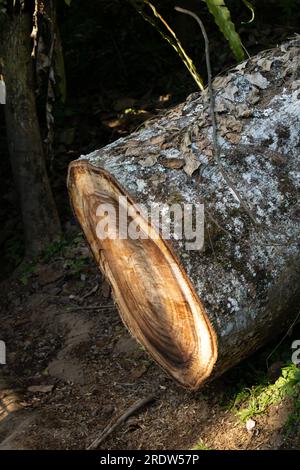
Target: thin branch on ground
111, 427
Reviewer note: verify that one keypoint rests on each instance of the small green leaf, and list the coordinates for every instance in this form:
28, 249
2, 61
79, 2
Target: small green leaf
68, 2
222, 18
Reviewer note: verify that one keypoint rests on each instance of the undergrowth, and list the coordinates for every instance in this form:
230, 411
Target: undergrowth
257, 399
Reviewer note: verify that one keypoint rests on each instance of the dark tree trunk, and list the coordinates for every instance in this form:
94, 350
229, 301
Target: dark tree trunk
39, 213
200, 312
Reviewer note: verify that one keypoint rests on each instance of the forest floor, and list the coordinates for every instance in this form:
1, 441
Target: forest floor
72, 368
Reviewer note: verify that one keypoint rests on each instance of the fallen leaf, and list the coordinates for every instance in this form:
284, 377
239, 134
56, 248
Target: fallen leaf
221, 105
191, 163
230, 91
167, 145
265, 64
148, 161
202, 141
233, 124
157, 179
133, 152
241, 66
132, 143
208, 152
257, 79
233, 138
157, 140
173, 163
243, 111
253, 96
222, 81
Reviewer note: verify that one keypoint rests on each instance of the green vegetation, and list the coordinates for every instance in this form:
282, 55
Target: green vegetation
200, 446
293, 421
256, 400
222, 17
54, 249
63, 248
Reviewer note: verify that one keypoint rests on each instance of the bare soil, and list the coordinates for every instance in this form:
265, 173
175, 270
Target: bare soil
72, 368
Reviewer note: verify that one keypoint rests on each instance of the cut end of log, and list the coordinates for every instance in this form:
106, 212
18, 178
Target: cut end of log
154, 296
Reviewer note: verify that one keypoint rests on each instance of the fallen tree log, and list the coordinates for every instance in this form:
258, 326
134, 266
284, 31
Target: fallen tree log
199, 312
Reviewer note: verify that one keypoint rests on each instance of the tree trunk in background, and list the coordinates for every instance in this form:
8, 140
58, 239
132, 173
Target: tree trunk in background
39, 213
200, 312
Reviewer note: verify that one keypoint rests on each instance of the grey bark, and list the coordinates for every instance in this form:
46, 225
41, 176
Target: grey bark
247, 276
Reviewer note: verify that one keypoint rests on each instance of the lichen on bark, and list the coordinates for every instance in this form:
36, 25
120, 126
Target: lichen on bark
247, 276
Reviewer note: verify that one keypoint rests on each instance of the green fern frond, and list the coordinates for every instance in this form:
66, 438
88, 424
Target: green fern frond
222, 18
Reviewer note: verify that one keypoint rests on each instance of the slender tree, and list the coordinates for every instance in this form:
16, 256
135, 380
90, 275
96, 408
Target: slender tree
39, 213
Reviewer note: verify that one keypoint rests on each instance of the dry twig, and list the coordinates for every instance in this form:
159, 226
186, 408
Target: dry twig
111, 427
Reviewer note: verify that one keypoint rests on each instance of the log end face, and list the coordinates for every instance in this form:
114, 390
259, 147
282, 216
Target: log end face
156, 300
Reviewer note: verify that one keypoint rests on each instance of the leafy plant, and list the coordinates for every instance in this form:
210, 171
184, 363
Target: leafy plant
256, 400
293, 420
55, 248
222, 18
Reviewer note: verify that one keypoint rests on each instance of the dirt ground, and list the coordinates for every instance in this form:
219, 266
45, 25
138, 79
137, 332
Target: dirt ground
72, 368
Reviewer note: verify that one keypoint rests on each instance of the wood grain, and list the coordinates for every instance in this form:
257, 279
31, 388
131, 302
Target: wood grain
155, 298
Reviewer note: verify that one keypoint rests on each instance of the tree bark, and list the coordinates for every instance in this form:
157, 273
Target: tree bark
39, 213
199, 312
